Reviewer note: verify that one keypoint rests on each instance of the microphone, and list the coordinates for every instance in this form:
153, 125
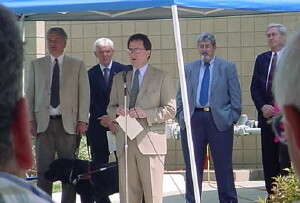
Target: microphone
128, 68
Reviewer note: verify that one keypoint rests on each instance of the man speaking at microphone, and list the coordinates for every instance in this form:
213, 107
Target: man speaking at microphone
151, 102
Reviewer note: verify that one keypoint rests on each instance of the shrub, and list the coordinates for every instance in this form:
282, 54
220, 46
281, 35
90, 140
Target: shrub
286, 188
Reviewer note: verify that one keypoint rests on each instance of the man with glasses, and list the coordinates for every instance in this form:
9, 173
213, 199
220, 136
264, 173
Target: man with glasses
214, 96
151, 102
58, 94
274, 155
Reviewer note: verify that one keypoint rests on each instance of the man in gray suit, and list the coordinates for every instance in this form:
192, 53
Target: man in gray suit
59, 97
214, 98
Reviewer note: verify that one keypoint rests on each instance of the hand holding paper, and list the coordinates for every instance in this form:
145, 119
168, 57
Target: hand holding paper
134, 129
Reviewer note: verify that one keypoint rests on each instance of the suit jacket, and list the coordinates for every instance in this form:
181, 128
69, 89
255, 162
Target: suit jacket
99, 92
156, 98
259, 94
225, 93
74, 93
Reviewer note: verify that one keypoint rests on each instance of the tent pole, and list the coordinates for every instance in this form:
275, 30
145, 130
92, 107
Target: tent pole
22, 31
185, 100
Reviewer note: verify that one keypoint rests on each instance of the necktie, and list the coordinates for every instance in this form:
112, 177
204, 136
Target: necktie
134, 89
54, 100
205, 85
106, 76
271, 73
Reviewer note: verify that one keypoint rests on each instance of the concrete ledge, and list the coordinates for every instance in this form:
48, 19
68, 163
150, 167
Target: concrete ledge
239, 174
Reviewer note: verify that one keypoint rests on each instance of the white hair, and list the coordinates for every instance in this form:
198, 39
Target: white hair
281, 28
286, 84
102, 42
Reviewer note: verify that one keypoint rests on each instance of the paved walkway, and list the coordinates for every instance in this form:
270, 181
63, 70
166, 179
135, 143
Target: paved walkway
248, 191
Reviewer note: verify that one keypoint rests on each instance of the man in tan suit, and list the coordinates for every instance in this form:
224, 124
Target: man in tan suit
59, 96
151, 101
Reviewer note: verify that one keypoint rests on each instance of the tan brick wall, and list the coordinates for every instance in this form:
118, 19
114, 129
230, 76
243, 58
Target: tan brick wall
239, 39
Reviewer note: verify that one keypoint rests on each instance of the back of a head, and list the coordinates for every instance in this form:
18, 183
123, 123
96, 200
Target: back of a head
11, 58
286, 85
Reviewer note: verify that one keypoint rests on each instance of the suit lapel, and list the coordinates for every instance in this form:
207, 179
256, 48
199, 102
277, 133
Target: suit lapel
267, 64
47, 70
113, 72
194, 72
148, 77
100, 78
215, 75
64, 69
128, 81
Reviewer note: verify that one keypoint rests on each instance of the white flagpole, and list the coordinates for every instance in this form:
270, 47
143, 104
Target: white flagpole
185, 100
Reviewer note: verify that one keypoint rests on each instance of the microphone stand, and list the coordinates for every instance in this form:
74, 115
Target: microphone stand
125, 136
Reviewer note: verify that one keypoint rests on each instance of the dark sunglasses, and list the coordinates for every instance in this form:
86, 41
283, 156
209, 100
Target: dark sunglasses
278, 127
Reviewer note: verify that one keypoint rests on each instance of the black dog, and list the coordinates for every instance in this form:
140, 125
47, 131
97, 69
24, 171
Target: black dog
93, 181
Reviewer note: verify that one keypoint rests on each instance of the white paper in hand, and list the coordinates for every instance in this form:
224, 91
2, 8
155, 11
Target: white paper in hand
133, 126
111, 140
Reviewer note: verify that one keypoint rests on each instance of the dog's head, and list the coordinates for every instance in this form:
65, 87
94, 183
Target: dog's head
65, 170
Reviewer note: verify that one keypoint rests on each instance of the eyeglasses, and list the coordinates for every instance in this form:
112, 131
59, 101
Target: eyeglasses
135, 50
278, 127
207, 47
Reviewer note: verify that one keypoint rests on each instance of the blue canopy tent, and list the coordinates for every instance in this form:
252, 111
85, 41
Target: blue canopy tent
142, 9
100, 10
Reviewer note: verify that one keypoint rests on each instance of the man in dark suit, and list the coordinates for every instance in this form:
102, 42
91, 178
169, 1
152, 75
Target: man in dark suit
214, 98
274, 155
100, 77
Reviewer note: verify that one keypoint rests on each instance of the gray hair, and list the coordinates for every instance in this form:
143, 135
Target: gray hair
11, 59
206, 36
102, 42
281, 28
58, 30
286, 84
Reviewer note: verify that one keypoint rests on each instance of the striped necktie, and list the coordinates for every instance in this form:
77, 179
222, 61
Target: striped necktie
106, 76
134, 89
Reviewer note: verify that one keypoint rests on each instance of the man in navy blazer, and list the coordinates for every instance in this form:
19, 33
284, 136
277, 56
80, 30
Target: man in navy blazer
274, 155
212, 120
100, 77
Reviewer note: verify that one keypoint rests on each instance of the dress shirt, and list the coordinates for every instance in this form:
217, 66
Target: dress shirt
279, 54
102, 67
201, 73
55, 111
15, 189
141, 75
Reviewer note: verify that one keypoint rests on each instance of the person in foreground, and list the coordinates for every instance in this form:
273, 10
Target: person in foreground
151, 102
214, 98
286, 88
100, 77
274, 155
58, 98
15, 146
